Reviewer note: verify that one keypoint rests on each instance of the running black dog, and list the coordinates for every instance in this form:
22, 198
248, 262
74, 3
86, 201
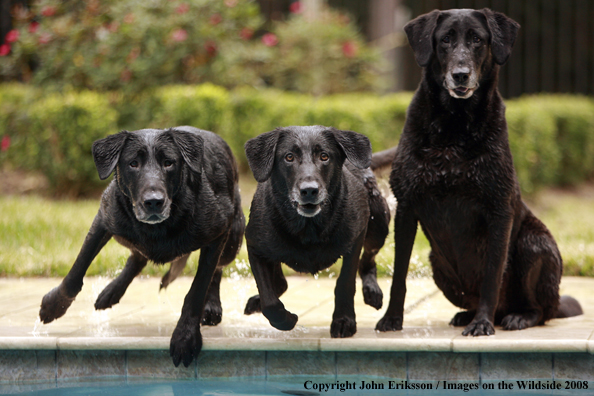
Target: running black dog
174, 191
453, 173
317, 200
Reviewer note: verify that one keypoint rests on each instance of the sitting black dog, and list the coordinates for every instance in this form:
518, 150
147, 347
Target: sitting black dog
453, 174
174, 191
317, 200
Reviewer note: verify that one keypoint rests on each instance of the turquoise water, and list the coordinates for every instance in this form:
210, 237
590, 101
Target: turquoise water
305, 387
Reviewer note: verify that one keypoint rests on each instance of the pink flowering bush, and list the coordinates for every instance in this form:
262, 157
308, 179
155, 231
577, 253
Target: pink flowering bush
131, 45
324, 56
125, 44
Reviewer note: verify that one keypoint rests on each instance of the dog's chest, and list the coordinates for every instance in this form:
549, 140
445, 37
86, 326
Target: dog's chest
164, 247
312, 259
442, 170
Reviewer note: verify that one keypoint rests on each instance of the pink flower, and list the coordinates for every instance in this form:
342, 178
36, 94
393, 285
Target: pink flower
182, 8
270, 39
215, 19
45, 38
350, 49
179, 35
4, 49
12, 36
33, 26
246, 33
211, 48
295, 7
230, 3
5, 143
48, 11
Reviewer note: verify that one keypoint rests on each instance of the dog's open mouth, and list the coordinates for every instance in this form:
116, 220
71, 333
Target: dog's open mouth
308, 210
154, 219
461, 92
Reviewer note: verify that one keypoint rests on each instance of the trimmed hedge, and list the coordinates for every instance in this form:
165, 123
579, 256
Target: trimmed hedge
551, 136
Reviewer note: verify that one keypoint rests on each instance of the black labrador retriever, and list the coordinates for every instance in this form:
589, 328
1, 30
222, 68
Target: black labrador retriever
174, 191
316, 200
453, 173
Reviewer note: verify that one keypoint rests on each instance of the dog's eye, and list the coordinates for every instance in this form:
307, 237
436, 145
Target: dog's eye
289, 157
476, 39
167, 163
134, 164
324, 157
446, 39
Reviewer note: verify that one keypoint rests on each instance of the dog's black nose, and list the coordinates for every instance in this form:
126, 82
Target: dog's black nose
309, 191
153, 202
461, 77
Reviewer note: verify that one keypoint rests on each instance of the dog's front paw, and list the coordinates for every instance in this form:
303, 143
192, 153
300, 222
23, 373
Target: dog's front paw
480, 327
279, 317
110, 296
186, 341
389, 323
343, 327
253, 305
462, 318
54, 305
372, 294
213, 313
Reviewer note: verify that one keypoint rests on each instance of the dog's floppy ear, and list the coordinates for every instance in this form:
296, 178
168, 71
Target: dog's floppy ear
356, 147
504, 31
106, 153
420, 36
191, 147
260, 152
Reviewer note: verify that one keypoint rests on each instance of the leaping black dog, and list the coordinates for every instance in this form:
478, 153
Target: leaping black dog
174, 191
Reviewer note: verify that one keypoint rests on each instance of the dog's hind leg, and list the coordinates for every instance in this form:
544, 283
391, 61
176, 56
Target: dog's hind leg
213, 310
279, 285
377, 231
175, 270
535, 273
113, 292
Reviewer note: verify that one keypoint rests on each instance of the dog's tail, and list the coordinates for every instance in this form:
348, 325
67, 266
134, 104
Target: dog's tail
568, 307
383, 159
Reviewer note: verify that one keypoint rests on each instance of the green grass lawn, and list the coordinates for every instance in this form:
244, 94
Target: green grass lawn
41, 237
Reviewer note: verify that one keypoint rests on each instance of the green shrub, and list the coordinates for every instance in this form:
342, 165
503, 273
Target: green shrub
61, 131
14, 100
204, 106
551, 136
532, 142
552, 139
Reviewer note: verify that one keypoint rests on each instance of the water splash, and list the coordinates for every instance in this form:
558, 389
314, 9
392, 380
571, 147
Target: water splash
36, 326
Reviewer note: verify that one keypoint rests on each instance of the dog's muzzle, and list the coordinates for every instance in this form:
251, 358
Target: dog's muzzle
308, 199
461, 83
153, 208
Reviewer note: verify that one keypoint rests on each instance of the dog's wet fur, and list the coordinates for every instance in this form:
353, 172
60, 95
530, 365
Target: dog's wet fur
317, 200
174, 191
453, 174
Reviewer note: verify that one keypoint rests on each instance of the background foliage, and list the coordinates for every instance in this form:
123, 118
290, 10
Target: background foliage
133, 45
551, 136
